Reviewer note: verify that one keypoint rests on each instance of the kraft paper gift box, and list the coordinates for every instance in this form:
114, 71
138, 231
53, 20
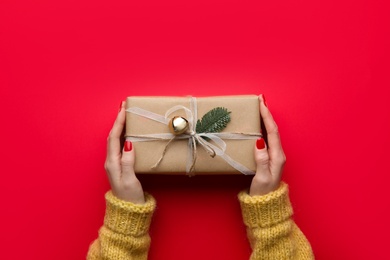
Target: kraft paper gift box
245, 120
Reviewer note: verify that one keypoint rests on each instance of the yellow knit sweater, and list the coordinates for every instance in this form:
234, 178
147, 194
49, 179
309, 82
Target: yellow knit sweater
271, 231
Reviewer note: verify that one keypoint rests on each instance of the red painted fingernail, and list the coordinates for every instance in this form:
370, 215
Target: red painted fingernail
260, 144
128, 146
265, 102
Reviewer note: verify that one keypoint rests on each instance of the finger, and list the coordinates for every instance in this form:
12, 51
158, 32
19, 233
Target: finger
127, 161
261, 157
263, 178
113, 141
274, 144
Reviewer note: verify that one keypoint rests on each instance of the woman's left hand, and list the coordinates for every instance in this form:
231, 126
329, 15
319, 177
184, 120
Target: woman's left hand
119, 164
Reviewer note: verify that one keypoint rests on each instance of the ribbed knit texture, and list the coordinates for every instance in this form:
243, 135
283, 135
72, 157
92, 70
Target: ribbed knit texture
124, 234
271, 231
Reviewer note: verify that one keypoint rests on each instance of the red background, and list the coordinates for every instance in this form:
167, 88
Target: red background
66, 65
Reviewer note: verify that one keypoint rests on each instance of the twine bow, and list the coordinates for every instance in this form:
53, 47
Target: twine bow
215, 146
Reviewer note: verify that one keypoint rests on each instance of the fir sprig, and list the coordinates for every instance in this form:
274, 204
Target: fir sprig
213, 121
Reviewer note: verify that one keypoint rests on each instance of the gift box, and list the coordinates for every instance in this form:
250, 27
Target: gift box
159, 150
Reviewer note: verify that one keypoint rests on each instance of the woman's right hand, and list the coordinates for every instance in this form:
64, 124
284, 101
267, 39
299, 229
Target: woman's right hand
119, 164
270, 160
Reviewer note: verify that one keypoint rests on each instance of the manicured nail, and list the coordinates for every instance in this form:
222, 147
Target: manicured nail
260, 144
128, 146
265, 102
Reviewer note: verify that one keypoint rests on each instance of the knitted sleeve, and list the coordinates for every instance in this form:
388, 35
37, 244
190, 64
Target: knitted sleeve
125, 233
271, 231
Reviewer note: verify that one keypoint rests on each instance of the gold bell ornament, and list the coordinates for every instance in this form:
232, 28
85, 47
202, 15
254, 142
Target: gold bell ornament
178, 125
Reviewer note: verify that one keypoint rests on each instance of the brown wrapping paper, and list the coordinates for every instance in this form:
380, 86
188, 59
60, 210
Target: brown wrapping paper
245, 118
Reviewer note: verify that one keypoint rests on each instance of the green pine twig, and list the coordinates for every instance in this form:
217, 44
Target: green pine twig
213, 121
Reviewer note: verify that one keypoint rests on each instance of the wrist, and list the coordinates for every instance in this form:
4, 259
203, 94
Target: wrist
131, 192
260, 188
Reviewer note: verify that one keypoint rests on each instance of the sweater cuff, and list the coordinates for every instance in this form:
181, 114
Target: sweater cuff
128, 218
266, 210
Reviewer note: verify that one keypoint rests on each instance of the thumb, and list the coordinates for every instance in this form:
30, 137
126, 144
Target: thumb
261, 156
128, 158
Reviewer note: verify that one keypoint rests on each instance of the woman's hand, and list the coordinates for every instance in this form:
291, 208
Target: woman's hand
270, 160
119, 164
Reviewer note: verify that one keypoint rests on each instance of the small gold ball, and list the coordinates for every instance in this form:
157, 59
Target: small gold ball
178, 125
